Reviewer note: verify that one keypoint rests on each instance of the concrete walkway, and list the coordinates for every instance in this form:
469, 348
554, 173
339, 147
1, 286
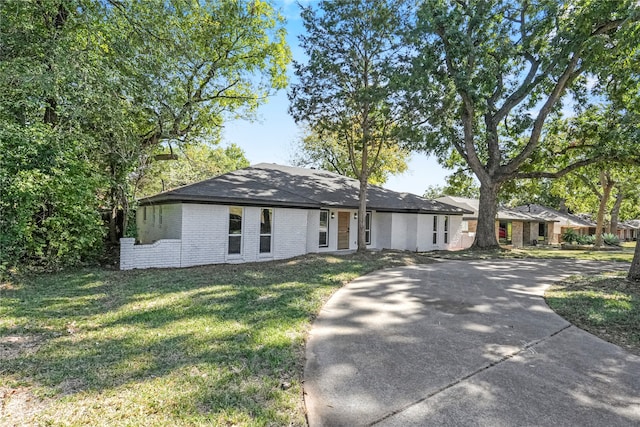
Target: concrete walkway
464, 343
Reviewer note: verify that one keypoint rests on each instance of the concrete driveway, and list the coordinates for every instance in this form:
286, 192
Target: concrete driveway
464, 343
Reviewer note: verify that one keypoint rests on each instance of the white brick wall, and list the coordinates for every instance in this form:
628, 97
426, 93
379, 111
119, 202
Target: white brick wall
290, 232
161, 254
313, 230
203, 236
205, 232
455, 233
383, 230
206, 228
424, 233
398, 231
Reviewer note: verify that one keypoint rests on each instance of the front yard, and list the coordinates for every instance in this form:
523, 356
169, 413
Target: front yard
217, 345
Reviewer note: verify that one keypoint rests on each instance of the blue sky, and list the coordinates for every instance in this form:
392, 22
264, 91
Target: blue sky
272, 137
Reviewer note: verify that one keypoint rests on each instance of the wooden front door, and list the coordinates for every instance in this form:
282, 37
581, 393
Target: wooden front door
343, 230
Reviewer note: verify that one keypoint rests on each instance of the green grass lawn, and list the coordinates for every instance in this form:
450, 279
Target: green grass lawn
623, 254
216, 345
606, 305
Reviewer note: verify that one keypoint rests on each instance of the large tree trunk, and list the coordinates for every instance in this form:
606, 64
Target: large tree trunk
487, 212
615, 213
113, 217
607, 186
634, 270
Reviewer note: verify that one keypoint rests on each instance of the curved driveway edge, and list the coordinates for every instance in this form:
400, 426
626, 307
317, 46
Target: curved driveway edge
464, 343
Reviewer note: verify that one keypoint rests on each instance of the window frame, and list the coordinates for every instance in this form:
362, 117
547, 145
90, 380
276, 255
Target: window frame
446, 229
270, 234
435, 230
322, 229
508, 232
367, 227
231, 235
144, 213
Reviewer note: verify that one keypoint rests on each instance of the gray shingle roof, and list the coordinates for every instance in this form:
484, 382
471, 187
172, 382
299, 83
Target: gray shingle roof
633, 224
554, 215
502, 213
268, 184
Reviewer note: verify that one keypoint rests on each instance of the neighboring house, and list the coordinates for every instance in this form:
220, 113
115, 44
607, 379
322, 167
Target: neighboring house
269, 211
629, 230
513, 227
561, 221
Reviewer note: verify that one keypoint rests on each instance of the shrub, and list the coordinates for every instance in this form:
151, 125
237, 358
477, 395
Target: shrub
570, 235
586, 239
611, 239
48, 208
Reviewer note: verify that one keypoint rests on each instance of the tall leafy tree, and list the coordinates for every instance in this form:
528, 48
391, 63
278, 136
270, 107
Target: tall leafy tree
196, 64
326, 152
345, 89
49, 189
489, 74
192, 163
89, 88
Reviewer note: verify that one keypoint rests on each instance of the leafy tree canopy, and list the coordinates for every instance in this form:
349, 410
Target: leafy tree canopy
327, 153
88, 88
345, 91
193, 163
489, 75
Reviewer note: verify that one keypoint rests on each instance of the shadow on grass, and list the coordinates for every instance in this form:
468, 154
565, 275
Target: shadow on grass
218, 343
606, 306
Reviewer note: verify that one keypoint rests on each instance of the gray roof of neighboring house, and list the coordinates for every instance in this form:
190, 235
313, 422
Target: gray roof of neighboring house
267, 184
632, 223
503, 213
554, 215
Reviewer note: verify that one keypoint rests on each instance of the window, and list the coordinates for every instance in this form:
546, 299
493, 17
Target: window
159, 215
266, 223
153, 216
144, 214
504, 232
323, 235
367, 228
446, 229
435, 230
235, 230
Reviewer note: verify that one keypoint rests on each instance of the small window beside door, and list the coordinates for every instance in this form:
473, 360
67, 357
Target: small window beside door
235, 230
266, 225
323, 235
367, 228
446, 229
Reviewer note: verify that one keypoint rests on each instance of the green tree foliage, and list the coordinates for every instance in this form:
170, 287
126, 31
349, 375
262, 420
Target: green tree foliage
48, 197
345, 90
488, 76
192, 163
89, 88
459, 184
329, 154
